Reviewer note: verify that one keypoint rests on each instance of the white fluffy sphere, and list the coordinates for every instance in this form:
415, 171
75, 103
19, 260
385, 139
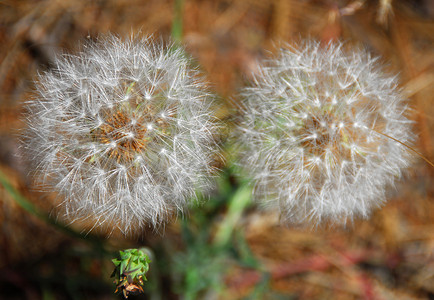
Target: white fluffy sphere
315, 133
123, 131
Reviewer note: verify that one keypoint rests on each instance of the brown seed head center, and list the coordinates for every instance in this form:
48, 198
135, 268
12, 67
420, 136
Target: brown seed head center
126, 136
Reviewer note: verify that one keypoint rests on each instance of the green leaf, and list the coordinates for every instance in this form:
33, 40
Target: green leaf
116, 261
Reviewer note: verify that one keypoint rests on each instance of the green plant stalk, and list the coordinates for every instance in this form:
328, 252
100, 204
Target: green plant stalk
237, 204
21, 200
32, 209
177, 20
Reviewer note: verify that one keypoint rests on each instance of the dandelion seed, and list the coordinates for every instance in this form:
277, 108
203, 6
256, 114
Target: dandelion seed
332, 112
102, 132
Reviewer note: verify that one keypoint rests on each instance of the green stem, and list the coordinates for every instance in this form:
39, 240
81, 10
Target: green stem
32, 209
237, 204
177, 20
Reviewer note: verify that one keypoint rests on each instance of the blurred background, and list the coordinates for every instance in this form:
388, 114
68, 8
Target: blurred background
389, 256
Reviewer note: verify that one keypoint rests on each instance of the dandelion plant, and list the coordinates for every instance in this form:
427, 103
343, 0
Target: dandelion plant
123, 131
323, 132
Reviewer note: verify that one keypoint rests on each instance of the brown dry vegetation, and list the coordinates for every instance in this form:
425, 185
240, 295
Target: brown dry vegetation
389, 256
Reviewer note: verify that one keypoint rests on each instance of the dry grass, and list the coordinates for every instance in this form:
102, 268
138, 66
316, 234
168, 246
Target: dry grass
390, 256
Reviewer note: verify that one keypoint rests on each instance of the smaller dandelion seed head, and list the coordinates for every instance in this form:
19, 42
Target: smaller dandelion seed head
109, 139
325, 106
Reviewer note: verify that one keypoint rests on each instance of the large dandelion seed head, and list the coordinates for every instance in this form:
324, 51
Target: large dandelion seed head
123, 131
314, 133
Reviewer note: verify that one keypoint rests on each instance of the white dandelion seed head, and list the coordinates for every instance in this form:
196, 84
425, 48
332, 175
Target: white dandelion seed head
312, 135
123, 130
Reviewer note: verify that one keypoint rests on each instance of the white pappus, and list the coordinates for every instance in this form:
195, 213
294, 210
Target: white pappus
316, 133
123, 131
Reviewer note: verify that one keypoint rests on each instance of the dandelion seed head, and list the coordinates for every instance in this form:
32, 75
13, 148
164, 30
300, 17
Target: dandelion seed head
106, 136
330, 111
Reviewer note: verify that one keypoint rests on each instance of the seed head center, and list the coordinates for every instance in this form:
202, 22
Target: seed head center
126, 135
